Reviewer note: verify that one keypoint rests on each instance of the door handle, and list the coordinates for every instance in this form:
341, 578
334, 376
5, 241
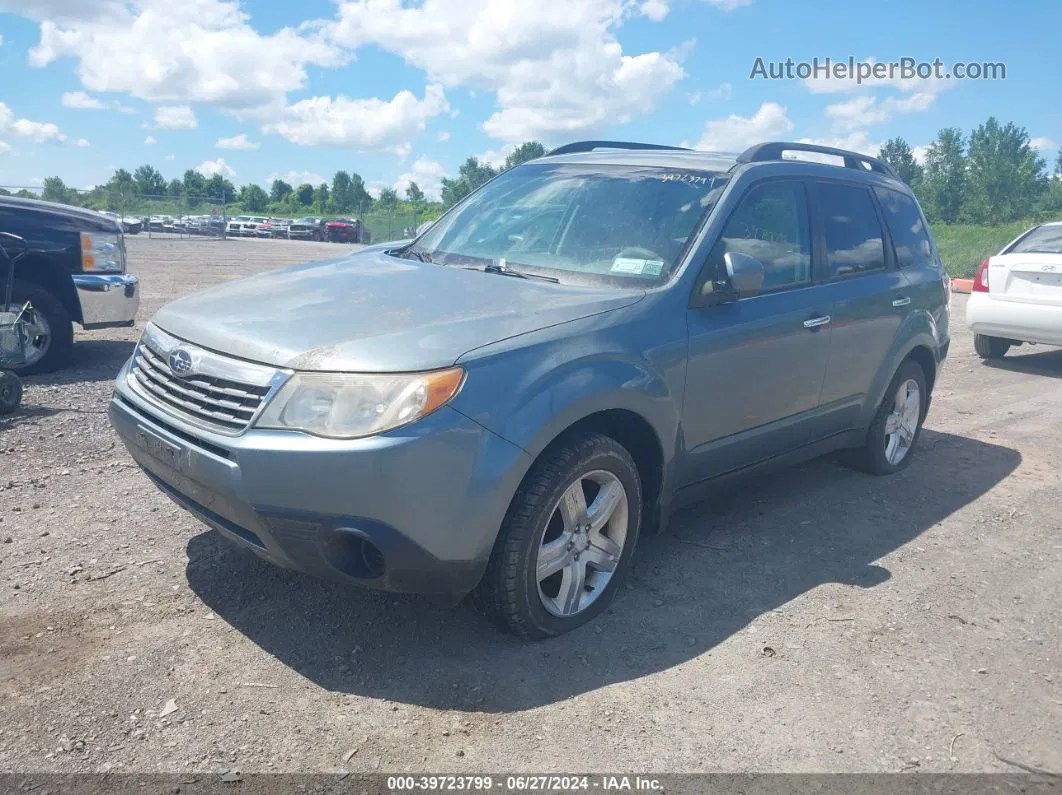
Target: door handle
815, 322
901, 301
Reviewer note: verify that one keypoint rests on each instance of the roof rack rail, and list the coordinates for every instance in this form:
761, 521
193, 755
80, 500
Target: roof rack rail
773, 151
589, 146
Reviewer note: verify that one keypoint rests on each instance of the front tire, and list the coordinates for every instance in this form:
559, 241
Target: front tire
51, 335
567, 540
893, 435
991, 347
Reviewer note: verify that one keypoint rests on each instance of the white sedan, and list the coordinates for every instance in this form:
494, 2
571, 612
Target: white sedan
1017, 294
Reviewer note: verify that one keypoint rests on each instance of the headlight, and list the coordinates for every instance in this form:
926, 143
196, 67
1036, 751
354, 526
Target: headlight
349, 405
102, 252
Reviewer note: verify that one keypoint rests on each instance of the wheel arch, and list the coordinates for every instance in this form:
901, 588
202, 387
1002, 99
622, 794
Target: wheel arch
39, 270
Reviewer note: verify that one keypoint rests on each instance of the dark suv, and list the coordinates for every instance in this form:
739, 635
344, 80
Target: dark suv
586, 342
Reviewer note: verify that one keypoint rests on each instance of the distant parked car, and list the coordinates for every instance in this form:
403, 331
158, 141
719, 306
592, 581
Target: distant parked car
1017, 294
131, 225
278, 227
308, 228
235, 225
345, 230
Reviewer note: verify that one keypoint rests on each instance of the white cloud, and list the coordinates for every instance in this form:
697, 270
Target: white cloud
730, 5
735, 133
171, 157
296, 178
427, 174
150, 140
694, 98
82, 101
37, 131
866, 111
373, 187
858, 141
5, 147
1043, 144
175, 117
919, 153
82, 142
360, 124
656, 10
209, 168
193, 51
443, 136
722, 91
555, 66
237, 142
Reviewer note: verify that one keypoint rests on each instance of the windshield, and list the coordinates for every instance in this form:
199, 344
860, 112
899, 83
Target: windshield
1041, 240
627, 224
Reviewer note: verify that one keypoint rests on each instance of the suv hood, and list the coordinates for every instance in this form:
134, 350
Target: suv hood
371, 312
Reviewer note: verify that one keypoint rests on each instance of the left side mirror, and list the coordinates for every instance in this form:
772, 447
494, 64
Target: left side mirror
744, 273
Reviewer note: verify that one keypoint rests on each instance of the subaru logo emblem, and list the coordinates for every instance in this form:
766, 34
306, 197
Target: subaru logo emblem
180, 362
1047, 267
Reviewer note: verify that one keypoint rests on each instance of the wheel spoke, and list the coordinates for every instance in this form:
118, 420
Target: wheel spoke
554, 556
603, 554
892, 423
604, 505
572, 588
573, 507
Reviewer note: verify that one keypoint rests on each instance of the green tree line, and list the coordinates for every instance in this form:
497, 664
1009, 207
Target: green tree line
345, 195
990, 177
993, 176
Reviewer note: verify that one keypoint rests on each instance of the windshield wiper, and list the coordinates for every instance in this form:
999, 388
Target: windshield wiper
505, 270
412, 252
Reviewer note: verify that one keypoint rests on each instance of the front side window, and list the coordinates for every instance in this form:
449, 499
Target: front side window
606, 224
771, 225
854, 241
910, 237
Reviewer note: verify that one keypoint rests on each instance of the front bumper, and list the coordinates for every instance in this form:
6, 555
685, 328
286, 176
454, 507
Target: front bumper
107, 300
415, 510
1017, 320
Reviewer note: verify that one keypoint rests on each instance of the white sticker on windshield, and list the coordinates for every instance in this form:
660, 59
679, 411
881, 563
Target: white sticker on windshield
640, 267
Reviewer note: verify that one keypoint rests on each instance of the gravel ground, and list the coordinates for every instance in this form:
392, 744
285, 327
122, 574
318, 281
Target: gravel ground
818, 620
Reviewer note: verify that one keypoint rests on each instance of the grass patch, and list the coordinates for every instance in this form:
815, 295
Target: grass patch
963, 246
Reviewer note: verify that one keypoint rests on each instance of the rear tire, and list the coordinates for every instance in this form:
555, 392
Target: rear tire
991, 347
893, 435
59, 339
516, 590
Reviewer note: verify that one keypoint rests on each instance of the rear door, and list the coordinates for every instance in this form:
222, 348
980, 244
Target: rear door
1030, 269
869, 295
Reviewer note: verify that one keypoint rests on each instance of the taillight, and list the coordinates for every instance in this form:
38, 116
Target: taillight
980, 284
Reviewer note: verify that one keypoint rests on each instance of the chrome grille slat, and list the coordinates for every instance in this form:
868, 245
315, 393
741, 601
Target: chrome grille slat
209, 397
172, 385
254, 393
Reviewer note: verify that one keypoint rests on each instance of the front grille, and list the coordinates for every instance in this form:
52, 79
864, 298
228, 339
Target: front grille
224, 404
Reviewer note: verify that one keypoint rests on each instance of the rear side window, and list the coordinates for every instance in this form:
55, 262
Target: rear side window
1041, 240
854, 241
909, 235
770, 224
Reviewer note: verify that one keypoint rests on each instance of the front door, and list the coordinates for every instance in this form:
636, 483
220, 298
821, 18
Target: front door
756, 364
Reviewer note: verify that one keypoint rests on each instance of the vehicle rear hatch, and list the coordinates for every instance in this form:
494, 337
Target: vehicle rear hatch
1026, 277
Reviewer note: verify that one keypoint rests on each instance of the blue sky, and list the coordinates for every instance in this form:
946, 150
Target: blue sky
398, 90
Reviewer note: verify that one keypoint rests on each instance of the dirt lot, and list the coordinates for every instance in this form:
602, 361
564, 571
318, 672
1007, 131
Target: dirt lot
820, 620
